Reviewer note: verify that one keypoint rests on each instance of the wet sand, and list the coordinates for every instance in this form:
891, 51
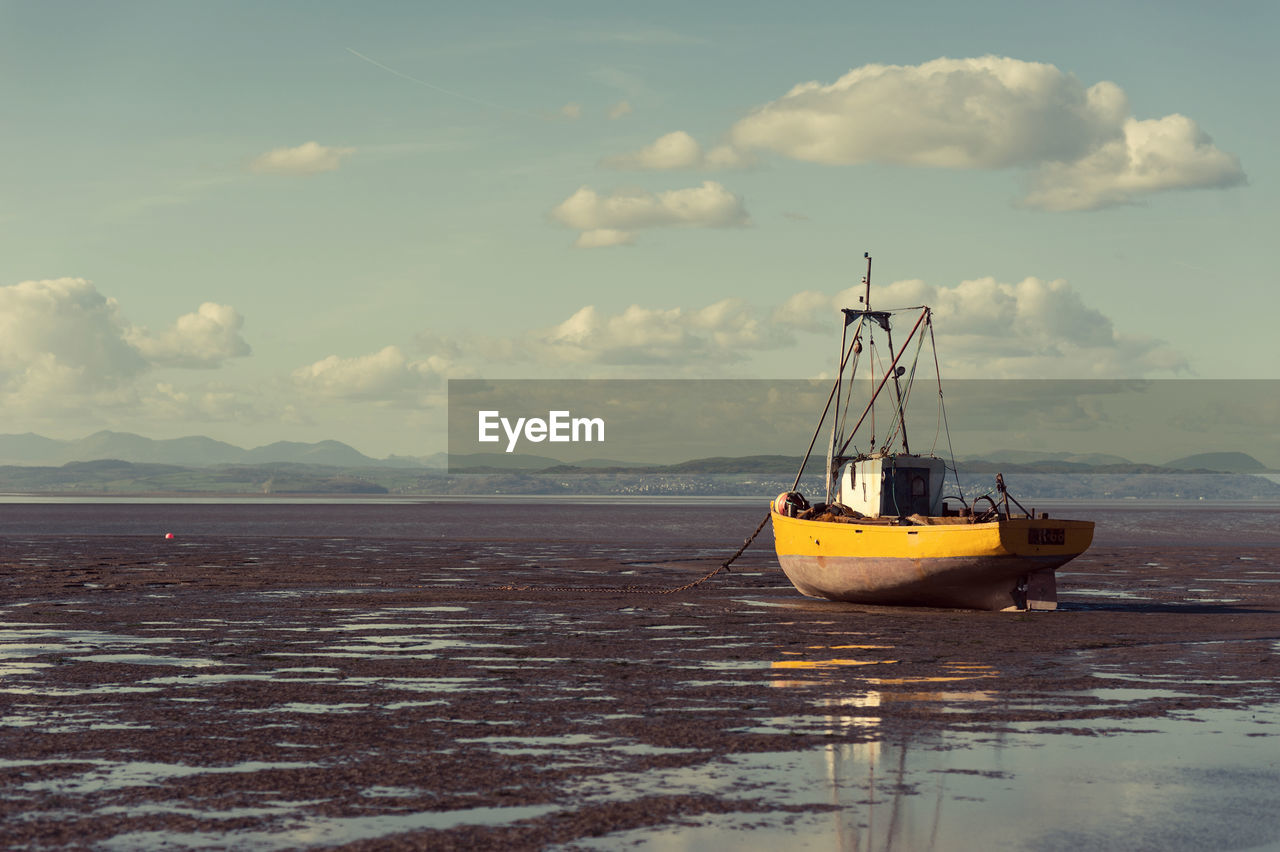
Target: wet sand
288, 676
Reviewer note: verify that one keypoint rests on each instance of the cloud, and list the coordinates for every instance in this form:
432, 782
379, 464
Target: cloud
692, 340
1032, 329
800, 311
202, 339
571, 111
604, 237
989, 329
206, 403
620, 109
65, 347
991, 113
678, 150
611, 219
639, 335
309, 158
1152, 156
383, 376
61, 336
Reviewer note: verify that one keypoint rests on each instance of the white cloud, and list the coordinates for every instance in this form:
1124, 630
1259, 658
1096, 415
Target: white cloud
989, 329
689, 340
571, 111
603, 238
1152, 156
678, 150
205, 403
66, 348
991, 113
639, 335
985, 328
202, 339
61, 336
609, 220
383, 376
309, 158
728, 157
620, 109
801, 310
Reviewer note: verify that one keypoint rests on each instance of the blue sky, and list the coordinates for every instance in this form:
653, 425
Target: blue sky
298, 220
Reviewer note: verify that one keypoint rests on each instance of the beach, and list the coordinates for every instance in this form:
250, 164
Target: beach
509, 674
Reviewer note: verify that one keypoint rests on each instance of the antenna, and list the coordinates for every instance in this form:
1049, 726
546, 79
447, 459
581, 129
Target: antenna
866, 300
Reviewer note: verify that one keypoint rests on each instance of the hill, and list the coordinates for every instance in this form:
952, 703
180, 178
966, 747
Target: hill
190, 451
1219, 463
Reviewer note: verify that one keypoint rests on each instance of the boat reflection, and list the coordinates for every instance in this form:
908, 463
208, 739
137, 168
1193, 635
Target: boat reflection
877, 807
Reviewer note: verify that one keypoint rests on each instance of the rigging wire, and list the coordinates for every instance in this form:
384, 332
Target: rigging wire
955, 469
856, 348
894, 363
896, 426
876, 369
818, 430
837, 421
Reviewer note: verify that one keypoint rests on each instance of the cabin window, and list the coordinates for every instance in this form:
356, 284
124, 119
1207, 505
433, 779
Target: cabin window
918, 487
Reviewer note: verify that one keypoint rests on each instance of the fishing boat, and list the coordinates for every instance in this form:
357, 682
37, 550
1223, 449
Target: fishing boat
887, 530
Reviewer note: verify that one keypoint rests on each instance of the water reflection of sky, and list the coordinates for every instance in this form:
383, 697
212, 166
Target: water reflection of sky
1176, 782
1214, 789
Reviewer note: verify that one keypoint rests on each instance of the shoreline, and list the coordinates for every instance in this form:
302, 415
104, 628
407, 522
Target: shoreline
320, 498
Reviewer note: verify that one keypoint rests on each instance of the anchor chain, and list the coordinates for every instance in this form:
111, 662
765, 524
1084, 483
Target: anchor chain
647, 590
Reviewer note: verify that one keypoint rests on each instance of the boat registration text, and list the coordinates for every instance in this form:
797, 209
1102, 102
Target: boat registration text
1053, 535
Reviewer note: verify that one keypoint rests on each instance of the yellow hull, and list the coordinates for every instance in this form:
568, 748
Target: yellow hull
971, 566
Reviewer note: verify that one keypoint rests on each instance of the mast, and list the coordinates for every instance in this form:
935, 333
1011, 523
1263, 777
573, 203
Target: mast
871, 354
866, 299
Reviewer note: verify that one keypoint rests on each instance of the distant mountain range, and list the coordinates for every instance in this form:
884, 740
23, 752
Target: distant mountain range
123, 464
193, 451
1010, 461
1212, 462
198, 451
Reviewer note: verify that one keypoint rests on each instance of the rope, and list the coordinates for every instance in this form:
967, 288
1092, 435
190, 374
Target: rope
872, 402
835, 387
955, 468
896, 425
853, 375
647, 590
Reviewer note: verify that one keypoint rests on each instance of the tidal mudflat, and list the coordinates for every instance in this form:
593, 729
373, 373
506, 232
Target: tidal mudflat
284, 676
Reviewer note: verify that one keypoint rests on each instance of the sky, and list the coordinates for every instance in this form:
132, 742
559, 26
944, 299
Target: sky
299, 220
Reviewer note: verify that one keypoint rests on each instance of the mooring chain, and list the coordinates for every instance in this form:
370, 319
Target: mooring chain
646, 590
